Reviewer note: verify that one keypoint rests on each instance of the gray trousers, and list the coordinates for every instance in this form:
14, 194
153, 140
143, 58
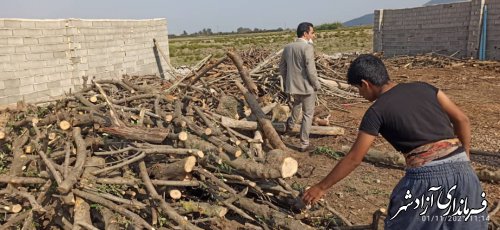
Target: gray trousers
306, 104
444, 196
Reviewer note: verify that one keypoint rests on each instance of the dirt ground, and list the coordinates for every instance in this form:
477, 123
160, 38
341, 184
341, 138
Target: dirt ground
476, 89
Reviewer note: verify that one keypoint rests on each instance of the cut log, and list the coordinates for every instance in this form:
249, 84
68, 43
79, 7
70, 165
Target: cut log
228, 106
93, 99
283, 167
214, 140
82, 213
265, 124
81, 157
110, 219
382, 157
136, 219
212, 129
266, 109
176, 170
277, 219
151, 135
183, 136
4, 118
206, 209
52, 136
167, 209
256, 145
28, 149
175, 194
15, 208
250, 85
169, 117
278, 159
35, 121
281, 127
64, 125
335, 84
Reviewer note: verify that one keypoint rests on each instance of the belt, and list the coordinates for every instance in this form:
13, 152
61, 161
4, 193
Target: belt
431, 151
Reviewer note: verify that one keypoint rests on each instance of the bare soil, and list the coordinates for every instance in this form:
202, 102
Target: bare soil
475, 88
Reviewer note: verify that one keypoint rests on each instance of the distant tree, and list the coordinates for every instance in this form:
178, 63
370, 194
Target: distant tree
329, 26
184, 33
242, 30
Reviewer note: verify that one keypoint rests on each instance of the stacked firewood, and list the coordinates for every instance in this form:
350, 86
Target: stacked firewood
437, 60
190, 152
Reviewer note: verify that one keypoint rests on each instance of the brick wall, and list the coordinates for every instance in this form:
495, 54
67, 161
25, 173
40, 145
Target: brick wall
447, 29
42, 59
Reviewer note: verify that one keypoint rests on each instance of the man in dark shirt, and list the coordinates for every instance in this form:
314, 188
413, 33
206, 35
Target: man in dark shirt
440, 190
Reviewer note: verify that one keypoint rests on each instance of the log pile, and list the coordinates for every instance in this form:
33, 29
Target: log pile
437, 60
151, 153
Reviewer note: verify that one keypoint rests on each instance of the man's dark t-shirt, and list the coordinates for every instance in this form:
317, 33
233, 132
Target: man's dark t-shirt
408, 116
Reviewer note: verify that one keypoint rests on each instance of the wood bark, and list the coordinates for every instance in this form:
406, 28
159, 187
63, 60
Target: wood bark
281, 127
249, 83
81, 156
272, 217
171, 213
151, 135
265, 124
176, 170
206, 209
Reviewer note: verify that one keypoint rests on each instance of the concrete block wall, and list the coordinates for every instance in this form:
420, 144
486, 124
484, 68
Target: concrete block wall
493, 34
42, 59
447, 29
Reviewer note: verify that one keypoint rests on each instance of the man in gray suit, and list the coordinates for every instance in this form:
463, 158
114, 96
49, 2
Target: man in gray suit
298, 68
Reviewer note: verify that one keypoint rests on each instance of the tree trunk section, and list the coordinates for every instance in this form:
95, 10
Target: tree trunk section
281, 127
151, 135
176, 170
251, 86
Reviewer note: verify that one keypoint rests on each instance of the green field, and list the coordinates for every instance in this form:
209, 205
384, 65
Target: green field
190, 50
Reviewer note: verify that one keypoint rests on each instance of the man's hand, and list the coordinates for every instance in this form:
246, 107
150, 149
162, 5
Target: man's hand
313, 194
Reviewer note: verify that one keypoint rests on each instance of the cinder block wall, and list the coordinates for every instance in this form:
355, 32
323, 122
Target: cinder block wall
42, 59
447, 29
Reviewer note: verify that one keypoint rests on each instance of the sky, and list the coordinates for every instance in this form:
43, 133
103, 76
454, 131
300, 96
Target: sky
194, 15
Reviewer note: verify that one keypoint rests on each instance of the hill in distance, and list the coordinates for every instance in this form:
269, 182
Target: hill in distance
368, 18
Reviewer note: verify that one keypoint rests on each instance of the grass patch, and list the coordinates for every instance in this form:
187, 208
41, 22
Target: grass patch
329, 152
190, 50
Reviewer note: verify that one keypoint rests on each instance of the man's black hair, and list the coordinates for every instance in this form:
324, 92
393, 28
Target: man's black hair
369, 68
303, 28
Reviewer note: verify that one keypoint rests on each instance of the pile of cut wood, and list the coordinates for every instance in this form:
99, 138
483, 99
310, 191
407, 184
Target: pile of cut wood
191, 152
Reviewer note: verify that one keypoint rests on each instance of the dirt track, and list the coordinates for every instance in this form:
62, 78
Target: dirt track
476, 89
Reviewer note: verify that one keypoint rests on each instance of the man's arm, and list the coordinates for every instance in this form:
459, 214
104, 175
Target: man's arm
460, 121
312, 73
342, 169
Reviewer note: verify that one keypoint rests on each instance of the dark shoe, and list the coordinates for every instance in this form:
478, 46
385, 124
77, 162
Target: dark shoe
307, 149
